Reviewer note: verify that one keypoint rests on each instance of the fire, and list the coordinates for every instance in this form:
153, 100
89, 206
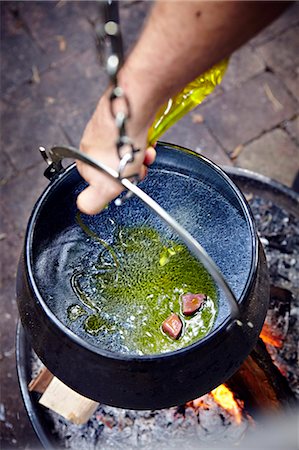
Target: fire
225, 398
270, 336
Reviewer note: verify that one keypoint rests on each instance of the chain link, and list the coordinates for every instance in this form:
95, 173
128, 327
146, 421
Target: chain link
109, 40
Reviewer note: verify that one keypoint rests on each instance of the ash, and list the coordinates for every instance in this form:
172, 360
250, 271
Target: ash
169, 428
203, 422
279, 234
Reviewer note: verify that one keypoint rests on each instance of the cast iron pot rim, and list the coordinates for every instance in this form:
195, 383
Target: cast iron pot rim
120, 356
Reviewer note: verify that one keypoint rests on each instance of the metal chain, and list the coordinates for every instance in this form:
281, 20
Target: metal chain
110, 41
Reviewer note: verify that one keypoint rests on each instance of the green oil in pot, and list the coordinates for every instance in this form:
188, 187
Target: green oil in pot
134, 286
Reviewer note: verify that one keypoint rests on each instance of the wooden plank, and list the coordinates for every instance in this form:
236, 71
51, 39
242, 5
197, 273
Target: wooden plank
64, 401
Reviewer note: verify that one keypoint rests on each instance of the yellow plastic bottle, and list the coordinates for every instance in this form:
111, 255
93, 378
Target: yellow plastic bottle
190, 97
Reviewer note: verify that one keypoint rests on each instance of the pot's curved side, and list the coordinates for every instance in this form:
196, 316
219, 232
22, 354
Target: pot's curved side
144, 383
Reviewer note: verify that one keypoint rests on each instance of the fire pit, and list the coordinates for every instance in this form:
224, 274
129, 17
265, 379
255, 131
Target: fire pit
227, 413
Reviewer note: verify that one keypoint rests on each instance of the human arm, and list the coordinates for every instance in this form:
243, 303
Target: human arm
180, 41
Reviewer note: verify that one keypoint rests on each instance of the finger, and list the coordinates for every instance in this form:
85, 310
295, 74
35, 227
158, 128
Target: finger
92, 200
150, 156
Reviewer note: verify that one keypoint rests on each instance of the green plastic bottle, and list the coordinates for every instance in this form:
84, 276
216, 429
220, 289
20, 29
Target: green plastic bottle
186, 100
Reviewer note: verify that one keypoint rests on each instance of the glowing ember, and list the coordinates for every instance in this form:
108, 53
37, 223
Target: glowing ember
225, 398
270, 336
199, 403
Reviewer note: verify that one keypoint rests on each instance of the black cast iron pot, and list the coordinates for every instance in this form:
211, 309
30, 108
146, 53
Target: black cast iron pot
205, 201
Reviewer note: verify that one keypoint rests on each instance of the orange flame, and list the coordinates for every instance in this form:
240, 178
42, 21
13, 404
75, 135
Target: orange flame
225, 398
271, 337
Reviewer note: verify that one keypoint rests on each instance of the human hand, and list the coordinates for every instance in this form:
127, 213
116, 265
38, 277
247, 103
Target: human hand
98, 141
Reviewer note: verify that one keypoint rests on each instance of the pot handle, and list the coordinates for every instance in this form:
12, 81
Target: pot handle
54, 168
57, 154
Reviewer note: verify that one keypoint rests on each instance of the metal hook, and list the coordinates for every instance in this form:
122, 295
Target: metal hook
45, 156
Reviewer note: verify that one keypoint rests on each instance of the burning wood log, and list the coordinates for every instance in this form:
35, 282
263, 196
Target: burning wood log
260, 383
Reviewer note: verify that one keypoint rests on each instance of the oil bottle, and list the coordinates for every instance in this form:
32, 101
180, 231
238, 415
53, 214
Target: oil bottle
191, 96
